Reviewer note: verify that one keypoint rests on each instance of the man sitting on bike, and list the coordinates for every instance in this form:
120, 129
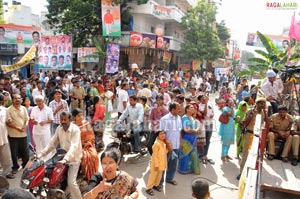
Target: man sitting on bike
134, 114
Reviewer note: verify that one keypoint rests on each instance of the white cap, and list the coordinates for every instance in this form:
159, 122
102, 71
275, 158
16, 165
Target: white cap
271, 73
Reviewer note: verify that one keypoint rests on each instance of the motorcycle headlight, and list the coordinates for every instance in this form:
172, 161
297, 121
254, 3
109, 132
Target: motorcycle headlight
25, 183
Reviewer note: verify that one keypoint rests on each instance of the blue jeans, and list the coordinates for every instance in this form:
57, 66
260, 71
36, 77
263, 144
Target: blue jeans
136, 137
172, 166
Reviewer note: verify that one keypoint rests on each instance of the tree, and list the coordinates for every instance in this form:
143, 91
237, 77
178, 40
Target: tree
82, 18
1, 12
201, 40
223, 32
269, 58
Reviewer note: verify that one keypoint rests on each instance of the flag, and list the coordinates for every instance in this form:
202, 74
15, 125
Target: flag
294, 32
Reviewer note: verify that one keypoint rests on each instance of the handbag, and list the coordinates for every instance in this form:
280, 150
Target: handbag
224, 119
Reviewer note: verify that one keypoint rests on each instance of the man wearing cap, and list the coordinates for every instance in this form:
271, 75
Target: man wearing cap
272, 90
248, 123
280, 127
58, 105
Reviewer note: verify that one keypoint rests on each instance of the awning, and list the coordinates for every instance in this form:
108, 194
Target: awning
222, 63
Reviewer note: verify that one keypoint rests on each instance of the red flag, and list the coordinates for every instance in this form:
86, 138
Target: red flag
294, 32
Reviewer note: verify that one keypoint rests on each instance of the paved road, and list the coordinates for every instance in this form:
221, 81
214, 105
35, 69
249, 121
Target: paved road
223, 183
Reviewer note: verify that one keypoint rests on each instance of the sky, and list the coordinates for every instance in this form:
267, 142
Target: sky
243, 16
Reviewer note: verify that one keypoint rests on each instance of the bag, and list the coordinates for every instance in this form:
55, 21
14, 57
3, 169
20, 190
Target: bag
224, 119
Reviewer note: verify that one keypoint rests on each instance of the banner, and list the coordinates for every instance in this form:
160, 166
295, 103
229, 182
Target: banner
55, 52
22, 62
278, 40
87, 55
112, 60
167, 57
111, 19
294, 32
185, 67
14, 34
196, 64
161, 12
142, 40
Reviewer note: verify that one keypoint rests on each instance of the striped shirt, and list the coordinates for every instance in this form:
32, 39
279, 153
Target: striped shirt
54, 105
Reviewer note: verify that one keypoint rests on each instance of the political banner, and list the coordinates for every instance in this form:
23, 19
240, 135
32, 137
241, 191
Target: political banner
280, 42
87, 55
16, 34
112, 59
55, 52
196, 64
142, 40
22, 62
167, 57
111, 18
161, 12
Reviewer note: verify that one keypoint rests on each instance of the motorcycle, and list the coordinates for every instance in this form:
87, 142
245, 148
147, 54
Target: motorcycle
45, 180
123, 143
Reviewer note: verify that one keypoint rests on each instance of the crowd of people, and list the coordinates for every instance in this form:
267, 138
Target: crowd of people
69, 110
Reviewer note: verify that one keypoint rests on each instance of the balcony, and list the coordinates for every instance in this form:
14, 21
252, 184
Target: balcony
165, 13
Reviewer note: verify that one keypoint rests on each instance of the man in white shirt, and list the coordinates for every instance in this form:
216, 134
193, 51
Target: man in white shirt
5, 155
135, 117
42, 117
122, 99
271, 90
206, 108
145, 92
38, 90
67, 135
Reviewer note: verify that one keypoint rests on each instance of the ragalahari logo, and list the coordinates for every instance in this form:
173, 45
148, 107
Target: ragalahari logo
282, 5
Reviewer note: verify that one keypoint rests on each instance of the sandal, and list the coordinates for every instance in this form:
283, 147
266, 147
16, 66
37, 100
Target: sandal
158, 188
210, 161
173, 182
150, 192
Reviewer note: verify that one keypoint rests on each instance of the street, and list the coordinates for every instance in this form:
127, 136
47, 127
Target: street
221, 176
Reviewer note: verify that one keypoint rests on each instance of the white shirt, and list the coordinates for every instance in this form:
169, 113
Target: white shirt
122, 97
3, 127
68, 140
41, 115
36, 92
210, 111
145, 92
271, 90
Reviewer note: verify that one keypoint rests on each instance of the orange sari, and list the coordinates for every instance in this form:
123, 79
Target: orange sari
90, 160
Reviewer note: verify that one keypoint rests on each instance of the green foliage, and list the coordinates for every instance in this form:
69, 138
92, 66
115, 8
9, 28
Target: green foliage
82, 18
271, 57
202, 41
223, 32
1, 12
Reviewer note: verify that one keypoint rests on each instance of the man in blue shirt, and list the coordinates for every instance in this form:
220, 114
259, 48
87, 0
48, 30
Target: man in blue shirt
135, 115
171, 124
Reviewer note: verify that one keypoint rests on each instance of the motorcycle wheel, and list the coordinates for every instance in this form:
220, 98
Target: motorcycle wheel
117, 151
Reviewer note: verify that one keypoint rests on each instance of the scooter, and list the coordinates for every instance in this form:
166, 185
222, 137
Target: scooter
124, 141
45, 179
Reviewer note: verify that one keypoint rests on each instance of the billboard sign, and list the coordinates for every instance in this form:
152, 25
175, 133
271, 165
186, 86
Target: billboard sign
87, 55
55, 52
111, 18
112, 60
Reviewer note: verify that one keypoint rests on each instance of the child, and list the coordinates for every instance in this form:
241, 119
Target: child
158, 162
200, 189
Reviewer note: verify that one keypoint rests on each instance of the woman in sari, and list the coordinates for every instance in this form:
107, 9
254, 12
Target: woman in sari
226, 131
90, 160
238, 118
108, 96
111, 183
188, 155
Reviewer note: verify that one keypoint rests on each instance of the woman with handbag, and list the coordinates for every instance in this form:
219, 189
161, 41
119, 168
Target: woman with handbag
227, 130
